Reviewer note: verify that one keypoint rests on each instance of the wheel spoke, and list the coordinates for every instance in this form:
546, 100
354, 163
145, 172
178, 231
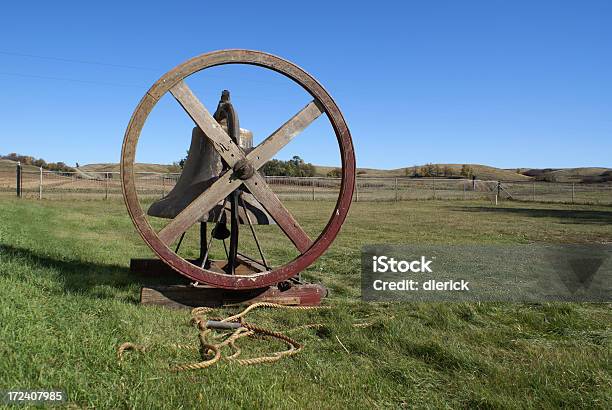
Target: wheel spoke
206, 201
282, 136
222, 142
231, 153
260, 189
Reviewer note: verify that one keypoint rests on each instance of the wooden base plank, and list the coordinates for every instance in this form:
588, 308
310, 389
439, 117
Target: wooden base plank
156, 267
186, 296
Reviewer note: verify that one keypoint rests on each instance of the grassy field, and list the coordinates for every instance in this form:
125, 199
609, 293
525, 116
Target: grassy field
68, 301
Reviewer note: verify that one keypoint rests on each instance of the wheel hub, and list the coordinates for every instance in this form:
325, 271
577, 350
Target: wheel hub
244, 169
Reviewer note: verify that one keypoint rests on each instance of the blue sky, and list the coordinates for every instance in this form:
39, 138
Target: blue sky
503, 83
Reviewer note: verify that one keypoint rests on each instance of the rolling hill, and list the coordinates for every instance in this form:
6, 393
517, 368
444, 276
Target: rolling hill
113, 167
584, 174
8, 165
484, 172
480, 171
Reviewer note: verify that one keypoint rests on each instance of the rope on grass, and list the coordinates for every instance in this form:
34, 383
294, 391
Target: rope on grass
211, 352
128, 346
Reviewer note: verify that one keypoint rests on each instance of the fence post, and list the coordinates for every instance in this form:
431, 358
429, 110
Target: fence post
573, 192
163, 177
18, 179
40, 182
434, 187
106, 185
396, 193
356, 190
497, 192
313, 188
464, 183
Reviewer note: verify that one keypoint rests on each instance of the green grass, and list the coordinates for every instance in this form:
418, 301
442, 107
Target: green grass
68, 301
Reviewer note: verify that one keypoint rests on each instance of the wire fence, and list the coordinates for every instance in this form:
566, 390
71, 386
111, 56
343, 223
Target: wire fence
44, 184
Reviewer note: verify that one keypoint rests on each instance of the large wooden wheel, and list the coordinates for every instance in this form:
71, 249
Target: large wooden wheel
242, 169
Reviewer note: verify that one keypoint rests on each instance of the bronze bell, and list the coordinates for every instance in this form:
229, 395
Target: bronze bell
202, 167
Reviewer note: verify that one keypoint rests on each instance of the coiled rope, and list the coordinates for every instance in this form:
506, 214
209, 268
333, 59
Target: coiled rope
211, 352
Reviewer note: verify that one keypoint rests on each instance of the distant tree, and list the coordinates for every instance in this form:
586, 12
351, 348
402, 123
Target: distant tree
309, 170
466, 171
447, 171
428, 170
548, 177
38, 162
412, 171
181, 162
175, 167
298, 168
335, 173
295, 167
275, 167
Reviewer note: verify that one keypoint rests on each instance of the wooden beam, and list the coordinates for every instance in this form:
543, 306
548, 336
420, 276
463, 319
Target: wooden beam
231, 153
182, 296
206, 201
157, 268
222, 142
262, 192
284, 134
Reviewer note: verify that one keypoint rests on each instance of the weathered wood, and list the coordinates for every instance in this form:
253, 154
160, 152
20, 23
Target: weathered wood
253, 265
284, 134
158, 268
262, 191
185, 296
206, 201
225, 185
222, 142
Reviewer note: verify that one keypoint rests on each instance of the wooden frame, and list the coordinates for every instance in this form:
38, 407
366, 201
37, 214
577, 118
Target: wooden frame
159, 241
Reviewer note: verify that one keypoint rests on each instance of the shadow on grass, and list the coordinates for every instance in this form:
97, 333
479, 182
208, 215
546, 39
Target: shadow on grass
571, 215
88, 278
